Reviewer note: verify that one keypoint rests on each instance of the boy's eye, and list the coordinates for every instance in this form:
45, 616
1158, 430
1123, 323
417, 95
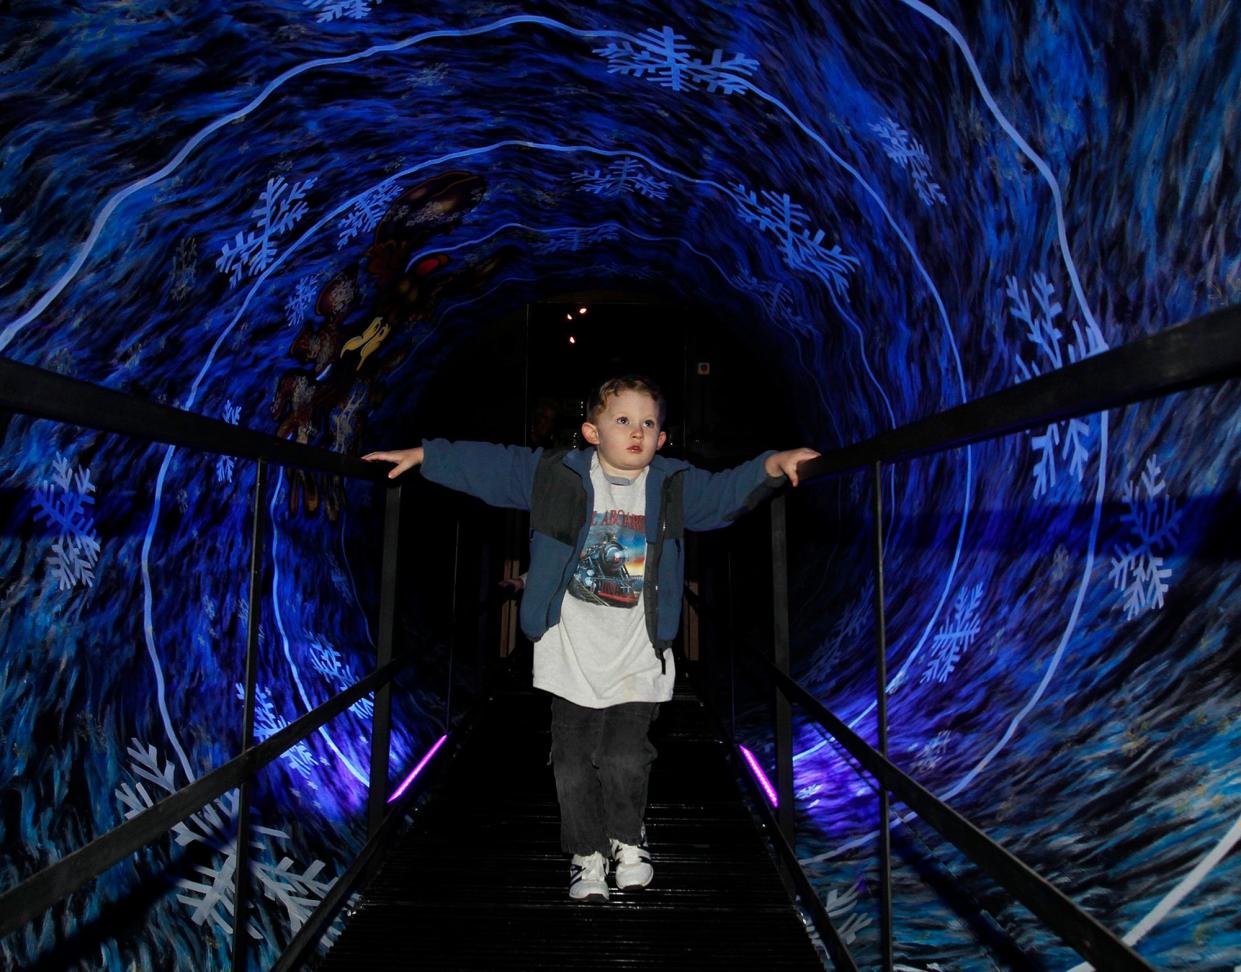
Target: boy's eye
622, 421
649, 423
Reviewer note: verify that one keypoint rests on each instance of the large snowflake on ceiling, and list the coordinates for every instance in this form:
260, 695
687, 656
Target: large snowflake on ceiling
268, 722
1154, 523
907, 152
801, 247
575, 238
225, 465
281, 207
367, 210
302, 301
209, 895
665, 57
621, 177
776, 298
63, 503
327, 10
1040, 312
327, 661
955, 635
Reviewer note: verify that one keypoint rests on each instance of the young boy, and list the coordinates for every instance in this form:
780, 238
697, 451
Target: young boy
602, 598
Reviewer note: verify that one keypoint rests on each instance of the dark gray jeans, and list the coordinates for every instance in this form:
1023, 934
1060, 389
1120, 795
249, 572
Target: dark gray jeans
602, 761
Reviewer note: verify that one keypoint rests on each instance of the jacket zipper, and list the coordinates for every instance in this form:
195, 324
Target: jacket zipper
660, 650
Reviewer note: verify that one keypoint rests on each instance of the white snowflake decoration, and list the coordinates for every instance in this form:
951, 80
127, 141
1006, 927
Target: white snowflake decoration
366, 212
845, 632
1041, 317
955, 636
267, 722
280, 208
327, 661
225, 464
340, 581
63, 503
840, 905
210, 896
621, 177
665, 57
776, 298
576, 238
613, 269
801, 248
302, 301
346, 420
1154, 523
328, 10
908, 153
930, 755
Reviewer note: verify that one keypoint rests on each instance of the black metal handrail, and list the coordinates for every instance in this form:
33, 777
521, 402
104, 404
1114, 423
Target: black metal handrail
1094, 941
1078, 928
302, 945
21, 903
44, 394
1199, 352
837, 950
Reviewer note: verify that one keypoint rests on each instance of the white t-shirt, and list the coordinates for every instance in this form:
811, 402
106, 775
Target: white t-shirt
600, 654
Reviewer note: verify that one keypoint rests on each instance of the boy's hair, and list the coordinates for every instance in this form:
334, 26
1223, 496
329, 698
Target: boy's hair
599, 396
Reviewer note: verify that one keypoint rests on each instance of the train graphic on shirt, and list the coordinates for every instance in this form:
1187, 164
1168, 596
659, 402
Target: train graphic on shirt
602, 575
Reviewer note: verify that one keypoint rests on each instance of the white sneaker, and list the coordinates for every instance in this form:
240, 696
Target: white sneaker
588, 877
632, 865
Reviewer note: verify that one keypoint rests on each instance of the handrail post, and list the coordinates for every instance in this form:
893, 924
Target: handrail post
780, 655
381, 721
881, 715
241, 876
732, 653
454, 632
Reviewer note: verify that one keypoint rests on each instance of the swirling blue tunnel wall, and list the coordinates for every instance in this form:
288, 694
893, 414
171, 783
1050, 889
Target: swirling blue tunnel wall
290, 214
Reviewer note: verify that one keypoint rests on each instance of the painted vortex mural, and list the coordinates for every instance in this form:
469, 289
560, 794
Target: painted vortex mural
286, 214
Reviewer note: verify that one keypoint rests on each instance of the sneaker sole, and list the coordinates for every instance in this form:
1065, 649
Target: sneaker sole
595, 898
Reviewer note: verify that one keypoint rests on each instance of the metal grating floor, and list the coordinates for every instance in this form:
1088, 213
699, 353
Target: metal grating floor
480, 882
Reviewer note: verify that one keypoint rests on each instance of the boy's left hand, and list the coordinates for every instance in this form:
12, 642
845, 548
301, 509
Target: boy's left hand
785, 463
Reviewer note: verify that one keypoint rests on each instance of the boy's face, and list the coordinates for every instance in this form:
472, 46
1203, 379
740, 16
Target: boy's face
626, 432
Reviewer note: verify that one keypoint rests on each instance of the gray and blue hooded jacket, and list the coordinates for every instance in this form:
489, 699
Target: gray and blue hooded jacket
554, 485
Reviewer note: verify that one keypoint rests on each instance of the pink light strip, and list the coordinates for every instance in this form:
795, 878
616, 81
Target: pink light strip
418, 769
760, 776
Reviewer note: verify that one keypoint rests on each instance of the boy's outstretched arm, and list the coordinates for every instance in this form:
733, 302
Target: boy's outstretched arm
500, 475
715, 499
405, 459
785, 463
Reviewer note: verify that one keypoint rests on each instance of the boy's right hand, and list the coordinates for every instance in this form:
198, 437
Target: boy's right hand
405, 459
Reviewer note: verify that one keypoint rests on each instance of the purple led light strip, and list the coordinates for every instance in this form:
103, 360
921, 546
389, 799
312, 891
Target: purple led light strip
418, 769
760, 776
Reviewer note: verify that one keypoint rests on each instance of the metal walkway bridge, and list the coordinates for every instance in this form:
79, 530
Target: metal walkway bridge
480, 882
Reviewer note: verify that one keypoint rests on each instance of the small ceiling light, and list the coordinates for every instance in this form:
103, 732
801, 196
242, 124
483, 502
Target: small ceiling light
568, 317
572, 339
581, 310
